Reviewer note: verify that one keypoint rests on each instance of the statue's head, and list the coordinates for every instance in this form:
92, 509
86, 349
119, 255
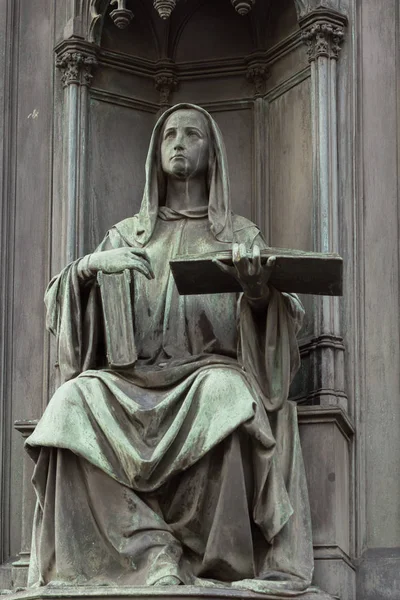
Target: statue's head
185, 145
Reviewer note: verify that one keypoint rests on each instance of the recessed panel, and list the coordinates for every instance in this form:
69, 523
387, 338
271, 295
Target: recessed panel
237, 129
119, 139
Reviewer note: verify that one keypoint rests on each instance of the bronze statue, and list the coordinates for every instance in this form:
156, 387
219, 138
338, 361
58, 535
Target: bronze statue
183, 464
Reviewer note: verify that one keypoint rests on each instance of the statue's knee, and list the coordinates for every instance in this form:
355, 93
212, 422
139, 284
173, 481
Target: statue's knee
67, 394
223, 380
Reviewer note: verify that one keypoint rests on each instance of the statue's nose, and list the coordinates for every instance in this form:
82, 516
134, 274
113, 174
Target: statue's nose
179, 144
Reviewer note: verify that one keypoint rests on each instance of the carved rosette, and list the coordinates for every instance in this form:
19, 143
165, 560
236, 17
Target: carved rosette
323, 33
258, 74
76, 67
166, 82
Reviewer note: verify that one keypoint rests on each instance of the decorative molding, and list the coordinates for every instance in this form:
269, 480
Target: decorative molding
164, 7
323, 341
305, 7
96, 12
284, 86
318, 386
258, 73
77, 61
226, 105
121, 15
243, 7
233, 67
332, 552
121, 100
327, 414
323, 33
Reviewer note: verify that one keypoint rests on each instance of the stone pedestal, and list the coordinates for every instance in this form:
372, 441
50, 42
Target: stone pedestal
185, 592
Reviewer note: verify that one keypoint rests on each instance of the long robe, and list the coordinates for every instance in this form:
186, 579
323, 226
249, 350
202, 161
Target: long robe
187, 464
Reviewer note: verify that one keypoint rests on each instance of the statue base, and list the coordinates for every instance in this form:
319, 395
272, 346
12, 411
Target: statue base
183, 592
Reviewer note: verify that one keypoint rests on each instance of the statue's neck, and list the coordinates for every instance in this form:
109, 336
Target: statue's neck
186, 194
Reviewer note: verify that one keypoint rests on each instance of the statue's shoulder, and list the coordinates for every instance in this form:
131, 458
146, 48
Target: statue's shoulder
244, 230
125, 230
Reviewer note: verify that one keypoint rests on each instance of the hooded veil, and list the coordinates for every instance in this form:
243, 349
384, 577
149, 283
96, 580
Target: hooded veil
219, 202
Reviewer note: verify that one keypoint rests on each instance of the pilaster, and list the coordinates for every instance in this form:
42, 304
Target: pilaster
323, 32
257, 74
76, 61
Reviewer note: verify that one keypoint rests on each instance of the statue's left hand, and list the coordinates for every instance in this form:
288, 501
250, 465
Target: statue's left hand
249, 272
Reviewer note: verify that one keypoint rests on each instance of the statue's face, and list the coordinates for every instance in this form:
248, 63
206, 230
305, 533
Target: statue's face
185, 145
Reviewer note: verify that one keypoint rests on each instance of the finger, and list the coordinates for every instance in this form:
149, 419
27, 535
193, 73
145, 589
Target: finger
243, 265
143, 261
235, 253
242, 252
271, 262
140, 253
141, 268
256, 259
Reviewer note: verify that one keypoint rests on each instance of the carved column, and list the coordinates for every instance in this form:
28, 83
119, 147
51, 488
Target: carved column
76, 61
323, 32
258, 73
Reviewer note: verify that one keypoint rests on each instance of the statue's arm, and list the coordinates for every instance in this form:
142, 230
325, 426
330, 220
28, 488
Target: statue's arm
74, 314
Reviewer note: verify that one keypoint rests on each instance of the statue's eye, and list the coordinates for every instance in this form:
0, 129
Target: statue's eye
169, 134
193, 134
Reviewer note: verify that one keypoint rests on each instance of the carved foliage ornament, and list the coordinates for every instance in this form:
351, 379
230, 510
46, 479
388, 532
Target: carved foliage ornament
76, 67
258, 73
165, 82
323, 39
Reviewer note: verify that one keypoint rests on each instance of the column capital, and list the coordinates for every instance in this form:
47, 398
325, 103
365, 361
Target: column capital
258, 73
323, 32
77, 61
165, 81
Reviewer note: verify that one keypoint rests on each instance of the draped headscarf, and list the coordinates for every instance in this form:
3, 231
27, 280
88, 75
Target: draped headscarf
219, 206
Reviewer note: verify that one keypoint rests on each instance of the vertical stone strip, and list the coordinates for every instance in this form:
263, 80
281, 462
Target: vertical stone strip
77, 62
21, 566
323, 32
258, 73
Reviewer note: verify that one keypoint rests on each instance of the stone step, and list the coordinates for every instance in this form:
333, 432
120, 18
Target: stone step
184, 592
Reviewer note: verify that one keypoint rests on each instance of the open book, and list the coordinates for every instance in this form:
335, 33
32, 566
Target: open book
295, 271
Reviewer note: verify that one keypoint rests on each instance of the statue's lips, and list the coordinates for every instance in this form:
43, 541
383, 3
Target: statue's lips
178, 156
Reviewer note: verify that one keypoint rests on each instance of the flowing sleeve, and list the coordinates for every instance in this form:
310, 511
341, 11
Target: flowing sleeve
74, 317
268, 348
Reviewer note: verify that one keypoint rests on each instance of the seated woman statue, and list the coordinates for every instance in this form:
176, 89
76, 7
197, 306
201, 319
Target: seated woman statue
186, 467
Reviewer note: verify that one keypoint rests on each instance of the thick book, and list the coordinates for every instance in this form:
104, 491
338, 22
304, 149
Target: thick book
116, 300
294, 271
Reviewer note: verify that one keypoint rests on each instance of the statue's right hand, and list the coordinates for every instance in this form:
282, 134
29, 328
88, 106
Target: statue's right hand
119, 259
